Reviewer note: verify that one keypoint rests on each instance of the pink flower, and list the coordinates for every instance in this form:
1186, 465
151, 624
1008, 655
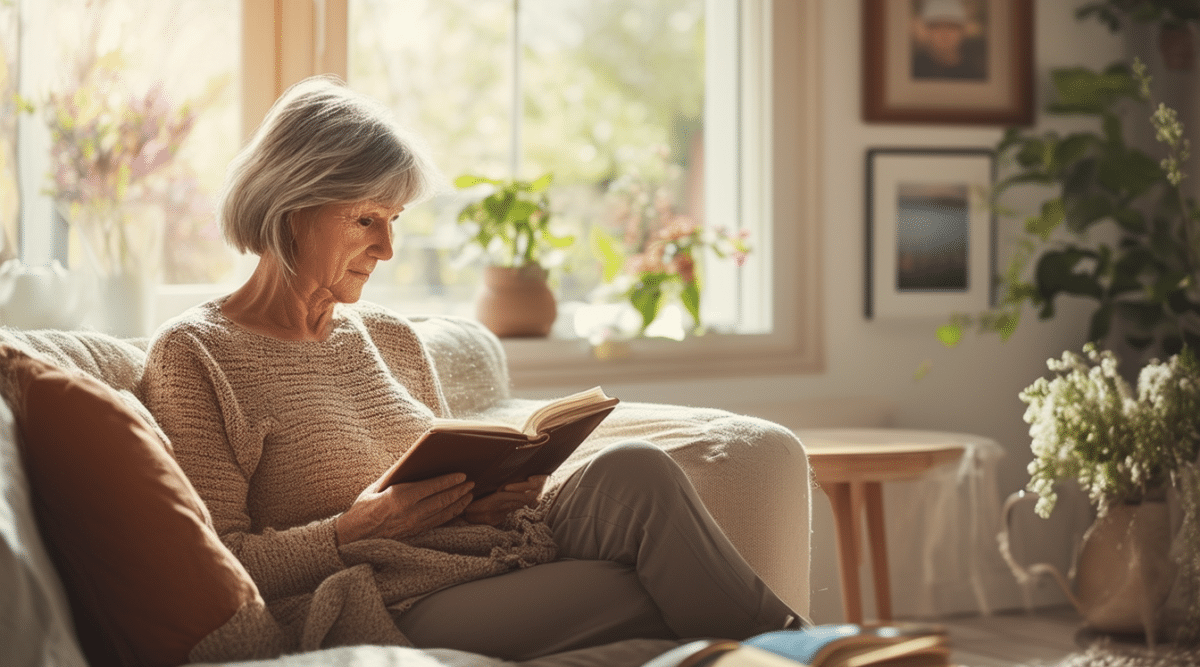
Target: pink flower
683, 265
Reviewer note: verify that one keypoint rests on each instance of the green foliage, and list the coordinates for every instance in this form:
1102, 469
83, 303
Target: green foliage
512, 223
1169, 12
1144, 284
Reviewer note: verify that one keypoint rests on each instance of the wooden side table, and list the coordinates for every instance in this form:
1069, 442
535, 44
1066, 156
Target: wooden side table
850, 465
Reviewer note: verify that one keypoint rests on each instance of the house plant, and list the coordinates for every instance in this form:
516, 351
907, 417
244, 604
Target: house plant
654, 261
1118, 229
510, 227
1130, 451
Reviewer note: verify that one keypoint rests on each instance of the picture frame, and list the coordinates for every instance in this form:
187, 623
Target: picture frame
930, 232
948, 61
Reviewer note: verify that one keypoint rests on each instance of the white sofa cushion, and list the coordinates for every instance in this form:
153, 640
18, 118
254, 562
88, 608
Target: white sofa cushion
35, 620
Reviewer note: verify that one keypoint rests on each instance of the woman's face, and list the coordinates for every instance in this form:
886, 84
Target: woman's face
338, 245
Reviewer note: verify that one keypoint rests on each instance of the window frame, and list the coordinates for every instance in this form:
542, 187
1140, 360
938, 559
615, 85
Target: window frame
283, 42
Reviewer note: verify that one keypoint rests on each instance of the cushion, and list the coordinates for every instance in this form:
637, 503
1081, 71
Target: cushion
35, 619
115, 361
145, 573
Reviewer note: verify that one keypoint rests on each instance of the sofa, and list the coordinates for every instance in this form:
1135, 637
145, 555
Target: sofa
752, 474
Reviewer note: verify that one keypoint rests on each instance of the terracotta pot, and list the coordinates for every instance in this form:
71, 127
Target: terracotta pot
516, 302
1175, 44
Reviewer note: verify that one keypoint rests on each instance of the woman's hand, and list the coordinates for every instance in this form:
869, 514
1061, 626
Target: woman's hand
494, 508
402, 510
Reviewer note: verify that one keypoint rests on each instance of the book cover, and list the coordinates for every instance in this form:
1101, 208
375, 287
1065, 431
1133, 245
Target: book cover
492, 455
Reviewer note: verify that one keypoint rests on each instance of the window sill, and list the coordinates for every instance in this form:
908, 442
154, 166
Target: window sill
554, 362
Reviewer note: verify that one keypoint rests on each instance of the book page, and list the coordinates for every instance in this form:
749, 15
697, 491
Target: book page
567, 409
468, 426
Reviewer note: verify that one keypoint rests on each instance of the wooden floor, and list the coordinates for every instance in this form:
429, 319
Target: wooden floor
1011, 639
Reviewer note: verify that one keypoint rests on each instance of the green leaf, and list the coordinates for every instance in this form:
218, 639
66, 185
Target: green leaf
690, 296
1006, 324
1130, 220
950, 334
1102, 12
1083, 91
542, 182
470, 180
1057, 273
1032, 152
608, 250
1036, 177
497, 205
646, 296
1012, 137
1129, 172
1071, 149
1083, 212
558, 242
1144, 317
521, 211
1114, 133
1053, 212
1100, 323
1139, 342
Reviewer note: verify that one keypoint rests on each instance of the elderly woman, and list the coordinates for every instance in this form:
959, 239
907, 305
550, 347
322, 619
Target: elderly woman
286, 401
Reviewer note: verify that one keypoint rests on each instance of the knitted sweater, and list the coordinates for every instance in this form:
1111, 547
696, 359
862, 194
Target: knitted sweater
279, 437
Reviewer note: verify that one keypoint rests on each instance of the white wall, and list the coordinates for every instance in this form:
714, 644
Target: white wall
969, 389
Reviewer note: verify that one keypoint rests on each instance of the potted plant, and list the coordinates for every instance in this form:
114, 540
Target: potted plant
1144, 280
652, 262
1129, 451
510, 226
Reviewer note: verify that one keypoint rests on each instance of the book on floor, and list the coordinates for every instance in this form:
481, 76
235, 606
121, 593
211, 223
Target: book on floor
844, 645
492, 455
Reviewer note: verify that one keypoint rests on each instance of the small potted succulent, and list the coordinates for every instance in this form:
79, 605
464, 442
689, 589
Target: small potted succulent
510, 227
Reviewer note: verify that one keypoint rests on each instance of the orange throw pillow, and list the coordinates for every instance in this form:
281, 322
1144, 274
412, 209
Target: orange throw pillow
145, 573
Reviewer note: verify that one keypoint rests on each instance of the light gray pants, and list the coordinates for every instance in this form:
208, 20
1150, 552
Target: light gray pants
640, 556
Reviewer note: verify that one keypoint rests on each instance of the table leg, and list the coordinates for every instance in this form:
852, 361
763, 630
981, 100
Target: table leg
847, 530
873, 493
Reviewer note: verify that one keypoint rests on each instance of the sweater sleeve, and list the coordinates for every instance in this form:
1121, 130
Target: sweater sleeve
192, 400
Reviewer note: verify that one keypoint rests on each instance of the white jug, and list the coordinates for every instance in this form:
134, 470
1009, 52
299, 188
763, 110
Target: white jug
41, 297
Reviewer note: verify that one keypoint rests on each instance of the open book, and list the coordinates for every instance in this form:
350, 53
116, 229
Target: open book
844, 645
493, 455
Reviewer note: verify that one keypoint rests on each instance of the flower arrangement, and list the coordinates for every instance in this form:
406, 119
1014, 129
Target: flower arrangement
108, 145
655, 260
1087, 424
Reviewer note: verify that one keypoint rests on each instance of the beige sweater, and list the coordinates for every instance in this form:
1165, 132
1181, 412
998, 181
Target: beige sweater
279, 437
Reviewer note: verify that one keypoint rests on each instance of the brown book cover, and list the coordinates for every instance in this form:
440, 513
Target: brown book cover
493, 455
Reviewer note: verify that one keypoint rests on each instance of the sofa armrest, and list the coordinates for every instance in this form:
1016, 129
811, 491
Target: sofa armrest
752, 475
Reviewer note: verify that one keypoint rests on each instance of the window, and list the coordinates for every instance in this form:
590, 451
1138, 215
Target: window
610, 97
725, 91
124, 49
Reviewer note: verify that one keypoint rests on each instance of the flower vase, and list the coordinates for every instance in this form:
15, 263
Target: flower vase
121, 246
516, 302
1124, 573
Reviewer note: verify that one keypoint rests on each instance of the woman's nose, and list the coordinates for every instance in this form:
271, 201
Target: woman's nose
382, 248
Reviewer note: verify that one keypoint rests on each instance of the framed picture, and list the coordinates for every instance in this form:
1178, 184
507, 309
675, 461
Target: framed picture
930, 236
948, 61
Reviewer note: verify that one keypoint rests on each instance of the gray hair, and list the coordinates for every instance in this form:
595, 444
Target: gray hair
320, 143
